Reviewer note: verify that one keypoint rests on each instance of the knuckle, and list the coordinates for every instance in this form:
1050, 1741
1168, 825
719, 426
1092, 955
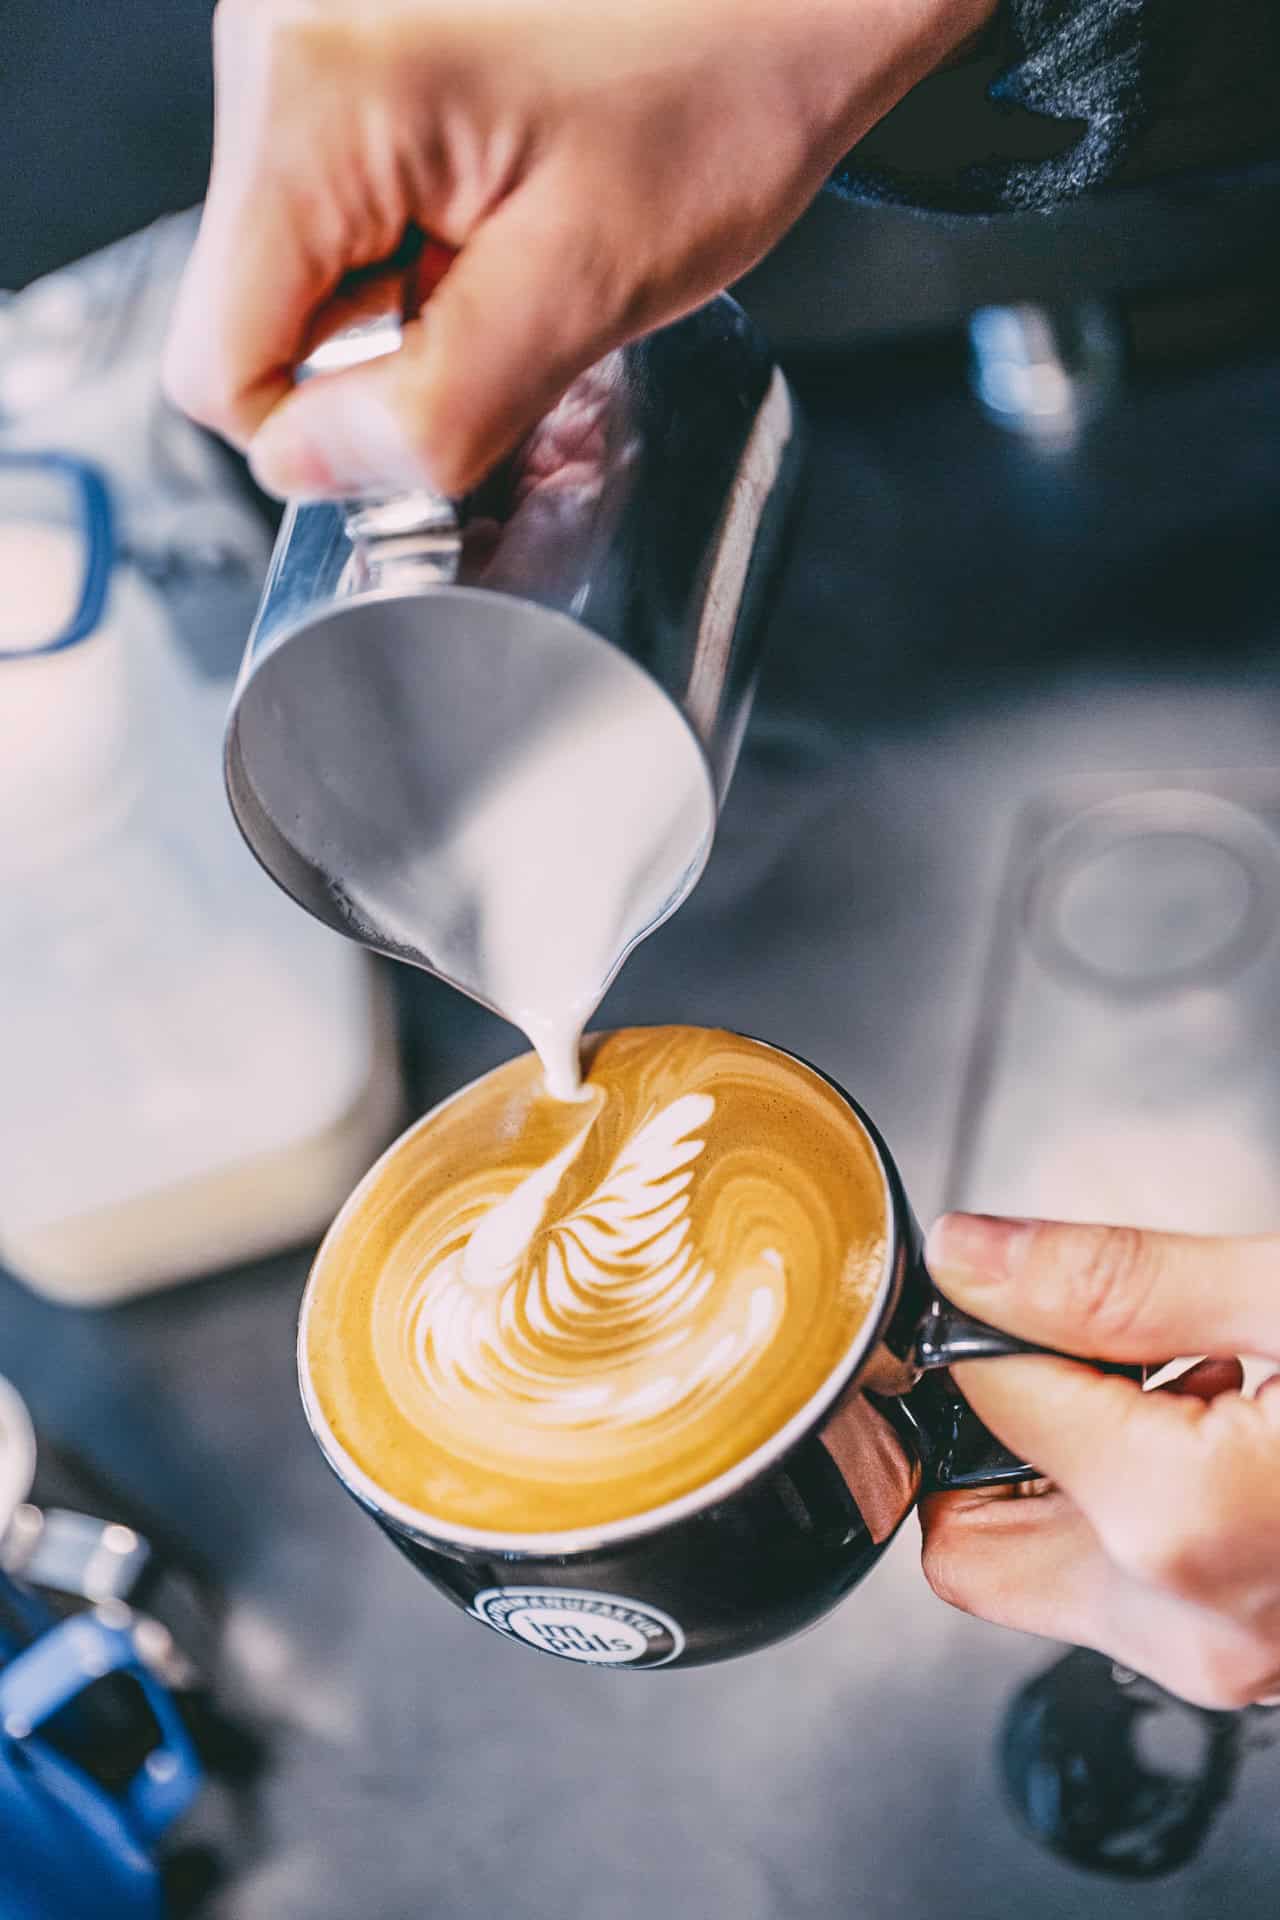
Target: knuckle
1222, 1676
184, 385
446, 436
1189, 1533
944, 1569
435, 443
196, 379
189, 381
1109, 1274
453, 463
379, 202
1172, 1555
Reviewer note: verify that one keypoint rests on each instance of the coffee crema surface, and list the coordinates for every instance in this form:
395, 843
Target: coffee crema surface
540, 1315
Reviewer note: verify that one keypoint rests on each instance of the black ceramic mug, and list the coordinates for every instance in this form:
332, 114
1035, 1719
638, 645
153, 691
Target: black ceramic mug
770, 1545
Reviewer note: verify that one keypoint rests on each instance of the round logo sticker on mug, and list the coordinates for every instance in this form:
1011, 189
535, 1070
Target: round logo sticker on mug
597, 1629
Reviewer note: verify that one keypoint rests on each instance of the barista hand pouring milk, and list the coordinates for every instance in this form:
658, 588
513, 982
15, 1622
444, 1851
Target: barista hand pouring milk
596, 173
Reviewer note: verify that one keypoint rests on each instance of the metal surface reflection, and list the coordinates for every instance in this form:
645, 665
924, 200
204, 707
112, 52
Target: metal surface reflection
647, 511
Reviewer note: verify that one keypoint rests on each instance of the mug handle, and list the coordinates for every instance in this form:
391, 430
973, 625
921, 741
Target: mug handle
959, 1450
946, 1336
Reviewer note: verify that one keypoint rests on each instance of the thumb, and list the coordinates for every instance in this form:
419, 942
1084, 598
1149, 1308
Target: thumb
1112, 1293
508, 328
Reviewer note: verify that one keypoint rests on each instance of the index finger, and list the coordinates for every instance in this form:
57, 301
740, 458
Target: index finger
1164, 1479
270, 248
1112, 1293
232, 345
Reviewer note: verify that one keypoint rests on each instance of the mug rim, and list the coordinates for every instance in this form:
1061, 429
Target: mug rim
430, 1531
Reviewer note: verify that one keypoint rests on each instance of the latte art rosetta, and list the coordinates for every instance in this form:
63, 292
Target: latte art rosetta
542, 1314
596, 1310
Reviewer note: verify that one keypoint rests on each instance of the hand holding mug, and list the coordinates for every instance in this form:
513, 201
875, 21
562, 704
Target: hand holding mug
1159, 1540
648, 1378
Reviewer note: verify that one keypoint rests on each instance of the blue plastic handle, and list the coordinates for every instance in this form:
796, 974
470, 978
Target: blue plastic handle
59, 1667
90, 501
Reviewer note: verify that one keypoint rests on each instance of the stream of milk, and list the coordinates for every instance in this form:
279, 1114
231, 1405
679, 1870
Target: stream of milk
581, 843
585, 819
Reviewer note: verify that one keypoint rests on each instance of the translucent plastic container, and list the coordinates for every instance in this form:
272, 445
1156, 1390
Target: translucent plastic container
1126, 1066
194, 1073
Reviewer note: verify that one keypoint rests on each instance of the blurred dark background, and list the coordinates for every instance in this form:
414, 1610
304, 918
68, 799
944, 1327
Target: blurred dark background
106, 123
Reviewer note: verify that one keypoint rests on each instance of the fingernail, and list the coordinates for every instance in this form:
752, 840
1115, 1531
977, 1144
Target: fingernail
326, 441
975, 1246
289, 463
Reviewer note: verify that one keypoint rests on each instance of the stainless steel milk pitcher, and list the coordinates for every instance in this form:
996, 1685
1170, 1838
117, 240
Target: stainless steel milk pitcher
406, 645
